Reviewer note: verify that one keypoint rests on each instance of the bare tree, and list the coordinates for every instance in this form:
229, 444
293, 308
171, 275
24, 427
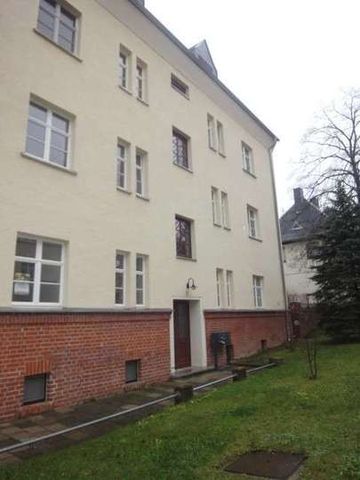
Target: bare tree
332, 149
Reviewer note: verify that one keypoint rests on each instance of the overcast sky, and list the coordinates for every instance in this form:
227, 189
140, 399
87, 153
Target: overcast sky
284, 59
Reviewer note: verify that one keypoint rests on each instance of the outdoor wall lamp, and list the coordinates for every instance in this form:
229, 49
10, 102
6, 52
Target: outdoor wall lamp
191, 284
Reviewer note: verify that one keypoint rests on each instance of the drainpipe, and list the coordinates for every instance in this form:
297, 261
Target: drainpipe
287, 328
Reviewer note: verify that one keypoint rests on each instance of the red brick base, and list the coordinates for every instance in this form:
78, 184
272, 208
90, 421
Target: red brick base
247, 330
83, 354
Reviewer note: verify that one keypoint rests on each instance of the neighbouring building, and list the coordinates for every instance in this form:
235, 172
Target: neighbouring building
137, 206
298, 226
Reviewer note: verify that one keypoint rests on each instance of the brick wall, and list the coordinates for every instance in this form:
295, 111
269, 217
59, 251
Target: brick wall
247, 329
83, 354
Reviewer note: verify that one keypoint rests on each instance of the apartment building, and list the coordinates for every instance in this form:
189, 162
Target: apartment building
137, 206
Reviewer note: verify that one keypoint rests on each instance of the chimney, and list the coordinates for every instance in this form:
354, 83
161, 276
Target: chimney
298, 196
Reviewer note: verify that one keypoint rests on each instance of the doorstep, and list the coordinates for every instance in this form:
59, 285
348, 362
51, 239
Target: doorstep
191, 371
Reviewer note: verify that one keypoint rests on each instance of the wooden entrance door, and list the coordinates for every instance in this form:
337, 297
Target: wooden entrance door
182, 334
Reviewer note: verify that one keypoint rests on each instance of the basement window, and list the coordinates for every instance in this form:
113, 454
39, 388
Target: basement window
132, 370
35, 389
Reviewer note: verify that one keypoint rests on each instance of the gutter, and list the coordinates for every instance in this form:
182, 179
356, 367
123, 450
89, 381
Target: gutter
287, 324
186, 51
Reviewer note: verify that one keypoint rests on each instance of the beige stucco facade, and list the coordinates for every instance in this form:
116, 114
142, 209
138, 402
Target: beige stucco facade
82, 206
298, 272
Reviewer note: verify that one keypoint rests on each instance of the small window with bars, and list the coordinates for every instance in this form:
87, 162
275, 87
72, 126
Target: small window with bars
180, 149
183, 228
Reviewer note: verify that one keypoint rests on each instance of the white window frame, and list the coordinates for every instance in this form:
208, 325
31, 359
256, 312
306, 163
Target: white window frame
141, 165
50, 112
141, 80
38, 261
253, 222
220, 137
215, 206
229, 288
211, 132
225, 214
55, 37
258, 291
141, 273
248, 158
220, 287
122, 160
124, 62
123, 272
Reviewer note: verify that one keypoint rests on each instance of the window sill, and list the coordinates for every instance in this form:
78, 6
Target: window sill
222, 154
227, 228
249, 173
142, 197
183, 168
142, 101
255, 238
129, 92
48, 164
75, 57
187, 96
123, 190
213, 149
218, 225
189, 259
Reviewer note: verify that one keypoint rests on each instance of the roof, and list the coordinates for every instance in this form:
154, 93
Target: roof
202, 64
202, 52
300, 222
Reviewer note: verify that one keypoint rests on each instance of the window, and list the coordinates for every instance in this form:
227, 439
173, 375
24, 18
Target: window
140, 280
220, 287
211, 132
141, 173
248, 161
132, 370
58, 23
38, 271
258, 288
122, 160
225, 210
179, 85
253, 227
141, 80
229, 288
35, 389
215, 205
124, 68
120, 278
48, 135
180, 149
183, 237
220, 136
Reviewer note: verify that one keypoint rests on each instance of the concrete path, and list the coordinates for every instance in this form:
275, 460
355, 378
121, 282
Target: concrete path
62, 418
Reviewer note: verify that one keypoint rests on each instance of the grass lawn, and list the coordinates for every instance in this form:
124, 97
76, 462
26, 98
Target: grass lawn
279, 409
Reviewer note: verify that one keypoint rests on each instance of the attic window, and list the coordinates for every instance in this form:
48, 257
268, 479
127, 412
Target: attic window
179, 85
296, 226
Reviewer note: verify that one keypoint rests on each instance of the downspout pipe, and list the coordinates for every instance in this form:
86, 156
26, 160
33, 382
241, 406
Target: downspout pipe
287, 324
